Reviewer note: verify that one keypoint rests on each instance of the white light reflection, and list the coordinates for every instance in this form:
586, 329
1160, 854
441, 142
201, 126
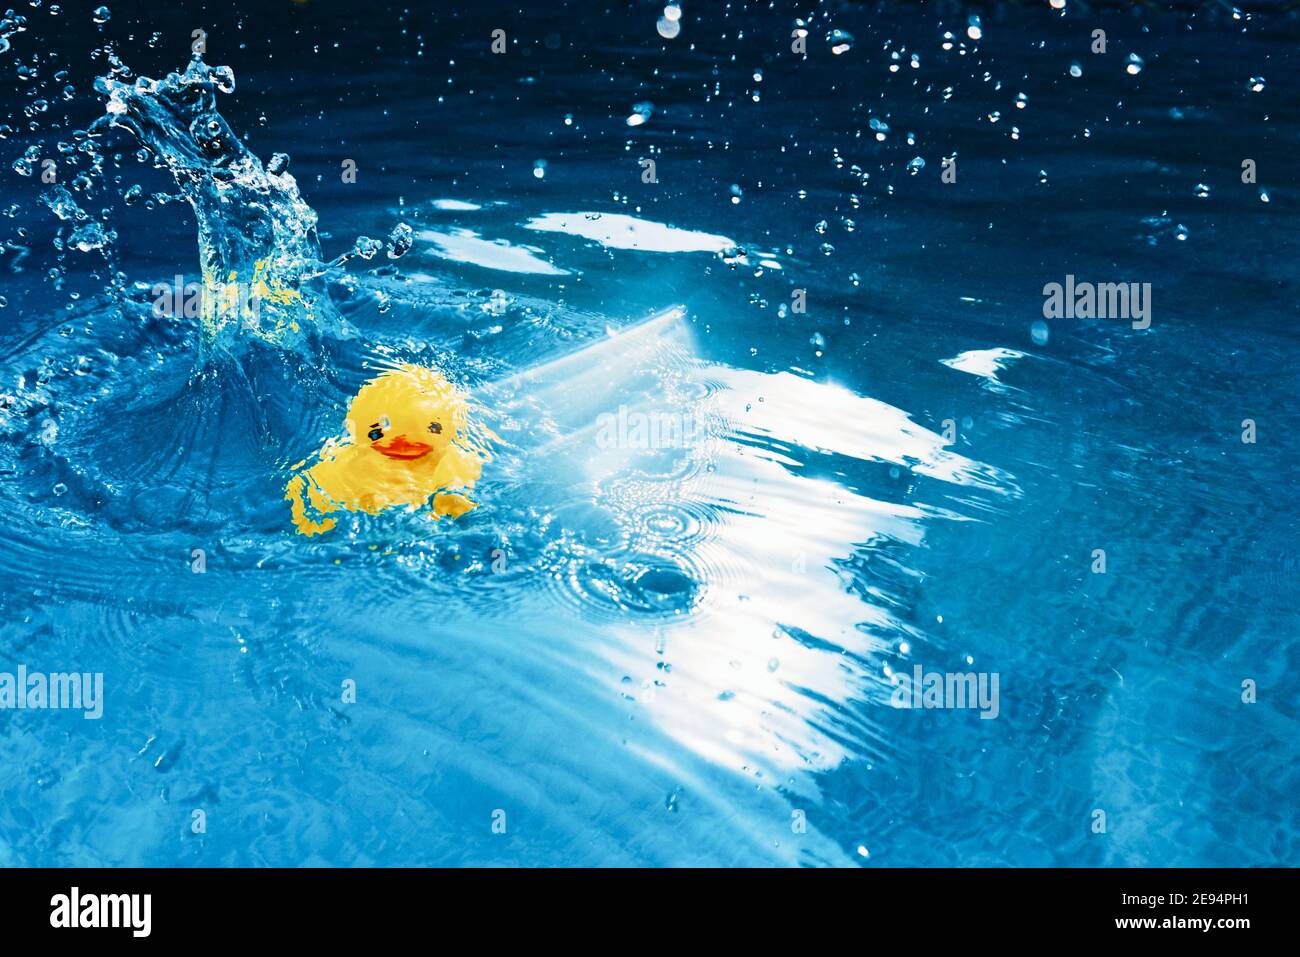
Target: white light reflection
619, 231
768, 672
466, 246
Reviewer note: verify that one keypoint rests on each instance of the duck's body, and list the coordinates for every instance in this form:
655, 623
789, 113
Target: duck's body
406, 442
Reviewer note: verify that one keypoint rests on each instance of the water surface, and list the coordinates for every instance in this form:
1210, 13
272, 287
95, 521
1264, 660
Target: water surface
716, 526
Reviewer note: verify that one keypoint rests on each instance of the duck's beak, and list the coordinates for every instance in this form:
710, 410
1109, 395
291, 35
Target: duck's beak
400, 447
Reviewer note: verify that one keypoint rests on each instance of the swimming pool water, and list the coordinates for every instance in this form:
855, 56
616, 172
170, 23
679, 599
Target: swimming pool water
775, 429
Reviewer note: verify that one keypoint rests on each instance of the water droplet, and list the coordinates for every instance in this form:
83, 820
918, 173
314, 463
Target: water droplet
1256, 84
915, 165
101, 15
1135, 64
1076, 70
1202, 191
90, 236
367, 248
841, 41
640, 113
400, 241
539, 169
670, 24
974, 29
1038, 331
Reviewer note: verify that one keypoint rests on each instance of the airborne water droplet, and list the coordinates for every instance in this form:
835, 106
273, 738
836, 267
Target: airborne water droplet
840, 41
641, 112
670, 24
368, 248
400, 241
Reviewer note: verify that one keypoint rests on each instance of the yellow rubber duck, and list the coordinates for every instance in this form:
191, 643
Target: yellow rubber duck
408, 437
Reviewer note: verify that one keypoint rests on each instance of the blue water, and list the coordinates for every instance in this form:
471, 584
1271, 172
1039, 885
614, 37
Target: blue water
678, 651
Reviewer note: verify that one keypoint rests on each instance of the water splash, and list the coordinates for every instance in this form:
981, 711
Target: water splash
259, 255
253, 225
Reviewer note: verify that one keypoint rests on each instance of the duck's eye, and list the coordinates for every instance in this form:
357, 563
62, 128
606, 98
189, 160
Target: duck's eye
376, 434
435, 428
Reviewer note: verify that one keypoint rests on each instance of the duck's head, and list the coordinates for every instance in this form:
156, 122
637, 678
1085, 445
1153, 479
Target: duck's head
407, 414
